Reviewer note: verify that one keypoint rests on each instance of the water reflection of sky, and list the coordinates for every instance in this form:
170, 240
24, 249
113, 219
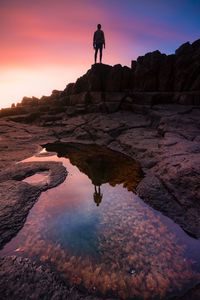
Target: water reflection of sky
121, 248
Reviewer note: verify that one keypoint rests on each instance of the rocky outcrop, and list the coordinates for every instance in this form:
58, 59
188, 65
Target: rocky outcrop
154, 78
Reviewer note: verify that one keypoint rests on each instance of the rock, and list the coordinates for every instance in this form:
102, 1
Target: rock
142, 98
81, 134
75, 121
18, 197
114, 79
186, 68
119, 79
186, 99
106, 124
195, 85
164, 138
93, 80
21, 171
68, 90
166, 74
133, 64
114, 97
192, 294
55, 94
16, 200
81, 98
27, 101
95, 97
183, 49
147, 70
71, 111
22, 279
112, 107
152, 190
162, 98
152, 73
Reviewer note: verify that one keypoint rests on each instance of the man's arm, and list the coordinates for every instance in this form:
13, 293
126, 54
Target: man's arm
94, 40
104, 42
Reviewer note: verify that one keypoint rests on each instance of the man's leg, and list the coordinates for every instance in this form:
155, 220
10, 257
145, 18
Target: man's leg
95, 55
100, 49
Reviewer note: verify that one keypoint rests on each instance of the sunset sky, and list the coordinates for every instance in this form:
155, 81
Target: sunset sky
45, 44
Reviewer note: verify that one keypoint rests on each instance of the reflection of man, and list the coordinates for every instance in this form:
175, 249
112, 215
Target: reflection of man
97, 195
98, 42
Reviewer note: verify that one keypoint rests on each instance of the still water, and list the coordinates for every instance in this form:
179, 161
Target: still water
99, 235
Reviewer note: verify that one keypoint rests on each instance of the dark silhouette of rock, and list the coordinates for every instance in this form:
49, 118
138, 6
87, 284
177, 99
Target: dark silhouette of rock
187, 67
154, 78
93, 80
119, 79
27, 101
147, 72
166, 74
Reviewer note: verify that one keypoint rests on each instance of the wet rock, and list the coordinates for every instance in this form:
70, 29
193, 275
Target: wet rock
21, 171
16, 200
22, 279
18, 197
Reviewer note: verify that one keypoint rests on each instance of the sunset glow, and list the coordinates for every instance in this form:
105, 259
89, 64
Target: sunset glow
47, 44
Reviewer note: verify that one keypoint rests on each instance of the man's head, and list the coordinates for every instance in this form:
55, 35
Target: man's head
99, 26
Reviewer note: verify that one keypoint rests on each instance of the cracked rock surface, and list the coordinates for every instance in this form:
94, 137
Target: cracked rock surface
164, 139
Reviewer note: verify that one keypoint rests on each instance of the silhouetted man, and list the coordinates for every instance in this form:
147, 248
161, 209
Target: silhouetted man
97, 195
98, 42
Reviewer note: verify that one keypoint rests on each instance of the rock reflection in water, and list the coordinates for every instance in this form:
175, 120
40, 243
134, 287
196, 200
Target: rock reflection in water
101, 165
122, 248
